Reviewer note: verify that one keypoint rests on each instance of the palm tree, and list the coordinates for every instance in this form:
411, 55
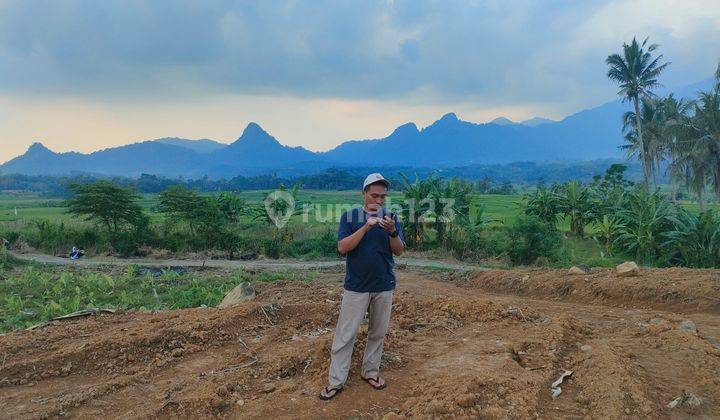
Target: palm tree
651, 150
636, 71
675, 139
706, 126
696, 153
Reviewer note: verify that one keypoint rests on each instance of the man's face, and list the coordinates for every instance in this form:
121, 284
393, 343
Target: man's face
374, 196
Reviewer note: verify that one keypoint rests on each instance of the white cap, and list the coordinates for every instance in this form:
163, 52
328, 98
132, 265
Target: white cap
373, 178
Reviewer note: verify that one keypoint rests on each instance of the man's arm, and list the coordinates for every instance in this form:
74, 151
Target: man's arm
350, 242
396, 244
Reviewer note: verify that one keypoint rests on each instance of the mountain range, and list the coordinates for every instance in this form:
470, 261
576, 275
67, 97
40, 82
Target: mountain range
448, 142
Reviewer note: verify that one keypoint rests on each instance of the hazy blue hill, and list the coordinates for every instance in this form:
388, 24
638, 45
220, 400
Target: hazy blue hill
130, 160
146, 157
449, 141
589, 134
39, 160
534, 122
398, 142
256, 148
200, 146
502, 121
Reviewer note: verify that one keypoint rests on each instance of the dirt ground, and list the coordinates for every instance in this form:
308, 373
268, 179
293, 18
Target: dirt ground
460, 344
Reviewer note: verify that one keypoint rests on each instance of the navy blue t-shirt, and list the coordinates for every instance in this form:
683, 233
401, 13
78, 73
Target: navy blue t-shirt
370, 265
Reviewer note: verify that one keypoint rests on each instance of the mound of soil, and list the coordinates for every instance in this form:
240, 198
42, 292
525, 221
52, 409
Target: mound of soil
486, 345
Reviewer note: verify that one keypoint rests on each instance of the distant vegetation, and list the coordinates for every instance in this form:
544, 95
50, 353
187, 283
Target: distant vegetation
491, 179
684, 133
599, 222
628, 220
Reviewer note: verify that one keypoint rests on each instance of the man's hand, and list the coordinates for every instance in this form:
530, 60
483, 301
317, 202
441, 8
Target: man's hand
371, 222
388, 224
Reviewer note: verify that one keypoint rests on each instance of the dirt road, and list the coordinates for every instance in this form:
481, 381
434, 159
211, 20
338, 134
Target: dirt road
471, 345
263, 264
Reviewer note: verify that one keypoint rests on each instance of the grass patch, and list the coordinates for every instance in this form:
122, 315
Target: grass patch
36, 293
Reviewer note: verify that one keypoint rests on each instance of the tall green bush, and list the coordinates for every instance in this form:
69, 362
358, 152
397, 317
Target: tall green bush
696, 239
530, 238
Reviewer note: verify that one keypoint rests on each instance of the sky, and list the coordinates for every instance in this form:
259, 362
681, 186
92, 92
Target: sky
87, 75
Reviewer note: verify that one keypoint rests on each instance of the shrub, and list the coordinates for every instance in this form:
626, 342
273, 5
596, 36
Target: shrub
273, 246
696, 240
482, 244
323, 245
3, 257
530, 238
645, 220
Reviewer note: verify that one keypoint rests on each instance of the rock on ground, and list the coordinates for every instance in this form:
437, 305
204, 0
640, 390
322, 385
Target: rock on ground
628, 269
579, 269
688, 326
243, 292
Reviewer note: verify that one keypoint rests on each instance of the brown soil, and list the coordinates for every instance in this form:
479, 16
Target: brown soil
484, 345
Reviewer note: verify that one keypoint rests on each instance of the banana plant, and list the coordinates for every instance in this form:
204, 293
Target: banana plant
607, 231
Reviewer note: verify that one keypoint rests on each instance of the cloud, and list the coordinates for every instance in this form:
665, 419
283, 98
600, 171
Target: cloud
495, 52
85, 74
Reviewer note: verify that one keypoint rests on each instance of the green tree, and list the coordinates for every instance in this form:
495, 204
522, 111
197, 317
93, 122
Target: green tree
230, 206
614, 176
450, 200
653, 122
181, 203
574, 202
530, 238
415, 207
705, 132
645, 217
108, 204
697, 239
676, 140
544, 203
606, 232
273, 206
277, 206
636, 71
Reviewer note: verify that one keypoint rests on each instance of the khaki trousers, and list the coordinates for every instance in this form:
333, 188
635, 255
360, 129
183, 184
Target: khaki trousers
352, 311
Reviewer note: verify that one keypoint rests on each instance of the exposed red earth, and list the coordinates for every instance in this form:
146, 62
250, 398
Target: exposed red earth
461, 344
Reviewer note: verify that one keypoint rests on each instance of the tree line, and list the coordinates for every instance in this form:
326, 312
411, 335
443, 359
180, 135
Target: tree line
684, 133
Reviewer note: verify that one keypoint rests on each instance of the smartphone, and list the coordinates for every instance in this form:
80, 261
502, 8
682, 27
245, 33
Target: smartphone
383, 212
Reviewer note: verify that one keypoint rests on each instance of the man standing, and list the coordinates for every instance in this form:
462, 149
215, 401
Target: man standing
369, 235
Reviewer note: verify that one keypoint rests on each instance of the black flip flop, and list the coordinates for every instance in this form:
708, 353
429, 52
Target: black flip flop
328, 390
376, 380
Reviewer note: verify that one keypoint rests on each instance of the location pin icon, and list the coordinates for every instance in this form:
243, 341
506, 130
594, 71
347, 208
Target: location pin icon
279, 206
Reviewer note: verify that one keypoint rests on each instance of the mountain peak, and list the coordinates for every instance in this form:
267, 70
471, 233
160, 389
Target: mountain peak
38, 148
534, 122
254, 134
502, 121
406, 129
253, 129
254, 141
450, 116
